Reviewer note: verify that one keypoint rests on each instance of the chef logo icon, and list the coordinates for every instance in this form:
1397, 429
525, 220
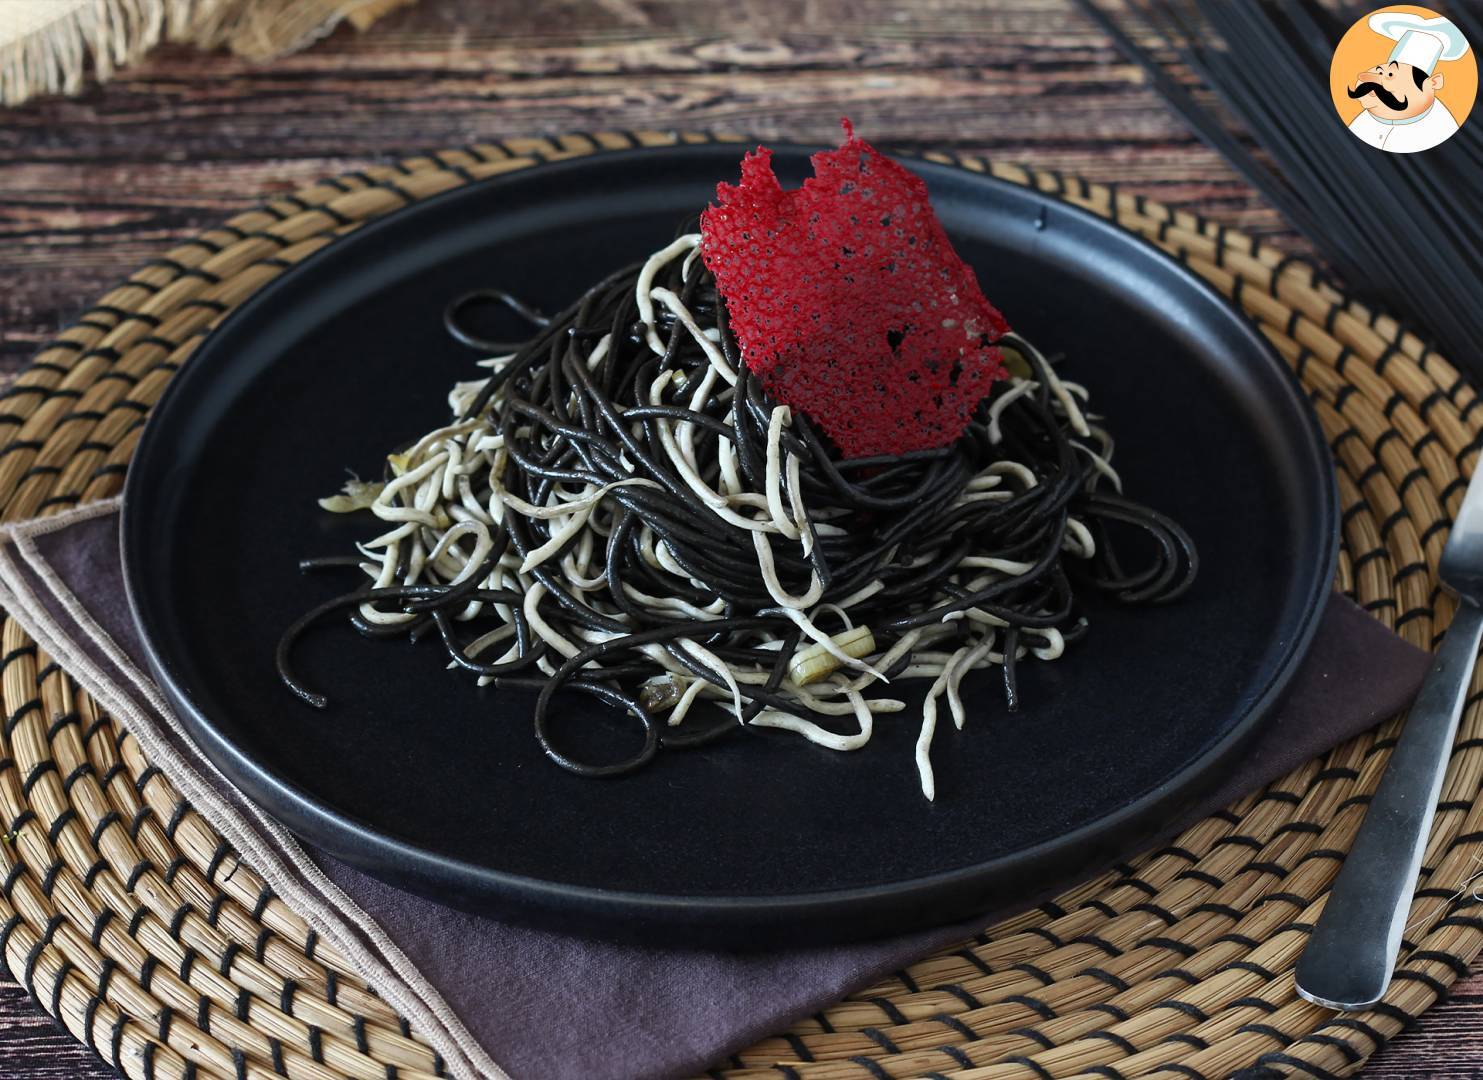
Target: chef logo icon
1403, 79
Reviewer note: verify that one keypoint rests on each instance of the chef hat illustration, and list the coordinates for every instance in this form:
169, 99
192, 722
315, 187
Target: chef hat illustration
1420, 42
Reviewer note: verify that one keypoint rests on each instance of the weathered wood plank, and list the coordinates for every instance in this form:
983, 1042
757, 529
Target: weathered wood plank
1447, 1044
88, 188
35, 1047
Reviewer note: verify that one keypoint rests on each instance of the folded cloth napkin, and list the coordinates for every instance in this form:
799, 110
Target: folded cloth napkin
52, 46
544, 1004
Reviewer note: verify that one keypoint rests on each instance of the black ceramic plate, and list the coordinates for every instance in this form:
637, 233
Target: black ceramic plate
420, 778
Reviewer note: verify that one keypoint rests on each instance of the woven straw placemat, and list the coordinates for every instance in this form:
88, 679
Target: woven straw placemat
130, 920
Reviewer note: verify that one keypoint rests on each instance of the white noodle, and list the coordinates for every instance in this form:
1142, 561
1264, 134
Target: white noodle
445, 503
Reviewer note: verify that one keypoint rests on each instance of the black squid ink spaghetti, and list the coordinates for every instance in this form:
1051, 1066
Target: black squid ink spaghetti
719, 500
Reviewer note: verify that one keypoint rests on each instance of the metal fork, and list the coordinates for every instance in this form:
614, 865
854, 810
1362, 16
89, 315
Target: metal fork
1351, 955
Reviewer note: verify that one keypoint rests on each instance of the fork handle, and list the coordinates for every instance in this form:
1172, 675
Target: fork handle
1351, 954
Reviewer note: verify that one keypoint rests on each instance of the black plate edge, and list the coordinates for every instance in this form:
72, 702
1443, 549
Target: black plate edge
810, 917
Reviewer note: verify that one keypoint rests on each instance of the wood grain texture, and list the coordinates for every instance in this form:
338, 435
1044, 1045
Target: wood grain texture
91, 187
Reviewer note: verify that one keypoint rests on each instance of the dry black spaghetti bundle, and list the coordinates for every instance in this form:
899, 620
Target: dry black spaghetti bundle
1402, 229
620, 510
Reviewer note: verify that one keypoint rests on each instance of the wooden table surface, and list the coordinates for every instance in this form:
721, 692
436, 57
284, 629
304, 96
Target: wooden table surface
92, 186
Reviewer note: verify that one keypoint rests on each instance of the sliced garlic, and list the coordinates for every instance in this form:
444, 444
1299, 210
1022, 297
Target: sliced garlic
357, 495
661, 693
1018, 366
815, 662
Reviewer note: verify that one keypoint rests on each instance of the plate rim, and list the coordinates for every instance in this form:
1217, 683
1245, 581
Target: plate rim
814, 916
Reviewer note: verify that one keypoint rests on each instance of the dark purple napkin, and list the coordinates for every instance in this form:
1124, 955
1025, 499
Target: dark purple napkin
550, 1005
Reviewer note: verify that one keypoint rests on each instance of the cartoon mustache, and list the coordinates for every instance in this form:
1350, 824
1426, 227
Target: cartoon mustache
1388, 99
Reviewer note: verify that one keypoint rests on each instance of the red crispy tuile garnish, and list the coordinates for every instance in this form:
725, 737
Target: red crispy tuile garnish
849, 302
